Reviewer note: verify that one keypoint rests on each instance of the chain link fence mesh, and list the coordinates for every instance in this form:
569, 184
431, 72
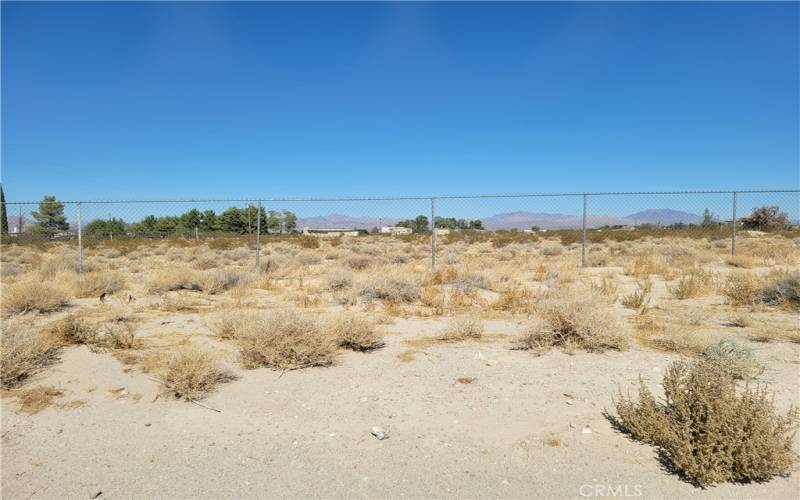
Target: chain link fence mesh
585, 219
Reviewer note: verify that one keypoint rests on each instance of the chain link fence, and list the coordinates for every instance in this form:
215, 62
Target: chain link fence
583, 218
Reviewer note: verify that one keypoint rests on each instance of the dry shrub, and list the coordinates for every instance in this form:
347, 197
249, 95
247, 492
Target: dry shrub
573, 320
692, 284
515, 298
24, 352
173, 278
32, 294
308, 258
552, 249
219, 280
178, 302
737, 360
782, 289
120, 335
308, 241
741, 289
358, 262
283, 340
708, 431
673, 331
645, 265
356, 333
339, 279
463, 328
639, 298
98, 283
740, 261
72, 330
36, 399
606, 289
740, 320
389, 288
189, 373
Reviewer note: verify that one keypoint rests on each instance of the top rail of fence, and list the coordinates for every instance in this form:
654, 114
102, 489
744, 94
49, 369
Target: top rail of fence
416, 197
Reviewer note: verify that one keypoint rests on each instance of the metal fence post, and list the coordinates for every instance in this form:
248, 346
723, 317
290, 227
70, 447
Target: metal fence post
80, 240
258, 235
583, 226
433, 232
733, 227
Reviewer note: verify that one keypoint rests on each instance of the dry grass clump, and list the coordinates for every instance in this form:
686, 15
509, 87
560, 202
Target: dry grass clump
740, 261
24, 352
120, 335
96, 283
606, 290
463, 328
646, 264
514, 298
389, 288
738, 361
708, 431
32, 294
219, 280
356, 333
640, 298
692, 284
741, 289
339, 279
189, 373
284, 340
358, 262
72, 330
573, 320
782, 289
173, 278
672, 331
308, 241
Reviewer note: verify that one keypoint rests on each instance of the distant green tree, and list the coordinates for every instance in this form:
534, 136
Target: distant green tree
208, 221
167, 225
191, 219
708, 218
103, 227
50, 217
233, 220
146, 225
3, 214
476, 224
289, 221
417, 225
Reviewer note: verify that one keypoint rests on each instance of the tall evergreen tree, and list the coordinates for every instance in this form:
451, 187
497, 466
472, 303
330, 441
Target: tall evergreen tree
50, 216
3, 214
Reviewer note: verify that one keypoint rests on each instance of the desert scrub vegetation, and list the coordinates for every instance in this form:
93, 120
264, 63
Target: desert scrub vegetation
710, 431
695, 283
573, 319
740, 289
34, 295
736, 360
355, 333
462, 328
189, 373
389, 286
782, 289
24, 352
283, 340
639, 298
97, 283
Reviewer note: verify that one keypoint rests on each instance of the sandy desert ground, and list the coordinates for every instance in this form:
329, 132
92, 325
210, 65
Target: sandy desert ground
435, 359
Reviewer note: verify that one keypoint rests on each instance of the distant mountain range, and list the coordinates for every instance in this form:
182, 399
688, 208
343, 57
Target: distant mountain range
518, 220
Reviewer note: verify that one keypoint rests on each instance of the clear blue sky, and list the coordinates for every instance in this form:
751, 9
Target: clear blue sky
152, 100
